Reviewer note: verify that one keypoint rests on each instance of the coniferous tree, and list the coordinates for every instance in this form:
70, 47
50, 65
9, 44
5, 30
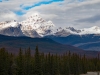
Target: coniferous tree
84, 66
42, 63
5, 62
37, 70
49, 64
27, 63
56, 65
20, 63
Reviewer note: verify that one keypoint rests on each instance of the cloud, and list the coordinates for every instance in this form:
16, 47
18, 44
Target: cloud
3, 0
6, 15
40, 3
76, 13
92, 19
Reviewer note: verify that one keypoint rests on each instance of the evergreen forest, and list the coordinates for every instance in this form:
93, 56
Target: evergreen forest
24, 63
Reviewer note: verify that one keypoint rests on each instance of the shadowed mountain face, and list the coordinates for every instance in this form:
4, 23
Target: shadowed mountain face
12, 44
45, 45
10, 31
86, 42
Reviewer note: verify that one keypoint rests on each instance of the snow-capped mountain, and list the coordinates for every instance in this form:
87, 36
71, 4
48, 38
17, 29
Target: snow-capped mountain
36, 26
92, 30
63, 32
10, 28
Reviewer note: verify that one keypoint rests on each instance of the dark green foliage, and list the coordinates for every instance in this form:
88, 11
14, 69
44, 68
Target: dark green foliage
37, 63
5, 62
46, 64
27, 62
20, 63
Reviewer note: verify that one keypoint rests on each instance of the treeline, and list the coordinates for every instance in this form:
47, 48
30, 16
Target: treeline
45, 64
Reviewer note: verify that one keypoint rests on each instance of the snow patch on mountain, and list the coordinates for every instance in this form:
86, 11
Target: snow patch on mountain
7, 24
92, 30
36, 26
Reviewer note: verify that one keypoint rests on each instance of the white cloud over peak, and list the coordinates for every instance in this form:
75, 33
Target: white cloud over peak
76, 13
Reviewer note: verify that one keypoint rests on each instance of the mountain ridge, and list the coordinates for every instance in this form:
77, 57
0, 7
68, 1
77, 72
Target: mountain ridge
36, 26
12, 44
90, 42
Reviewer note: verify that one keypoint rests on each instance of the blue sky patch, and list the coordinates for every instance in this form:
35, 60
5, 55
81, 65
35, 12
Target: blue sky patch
3, 0
20, 13
80, 0
0, 0
6, 0
72, 1
40, 3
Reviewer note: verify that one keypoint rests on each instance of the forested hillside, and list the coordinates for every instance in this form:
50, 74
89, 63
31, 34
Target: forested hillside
46, 64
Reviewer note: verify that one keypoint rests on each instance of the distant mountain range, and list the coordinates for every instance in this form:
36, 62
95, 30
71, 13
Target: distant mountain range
36, 26
46, 45
87, 42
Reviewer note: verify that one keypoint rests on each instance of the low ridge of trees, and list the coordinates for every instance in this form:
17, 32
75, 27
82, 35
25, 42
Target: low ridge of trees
45, 64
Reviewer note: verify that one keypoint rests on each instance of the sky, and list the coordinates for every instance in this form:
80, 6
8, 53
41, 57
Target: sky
63, 13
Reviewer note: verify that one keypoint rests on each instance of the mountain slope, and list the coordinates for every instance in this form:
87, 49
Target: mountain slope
36, 26
12, 44
45, 44
86, 42
10, 28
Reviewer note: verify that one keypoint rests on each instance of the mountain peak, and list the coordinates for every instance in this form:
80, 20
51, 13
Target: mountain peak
36, 26
96, 27
36, 14
36, 23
